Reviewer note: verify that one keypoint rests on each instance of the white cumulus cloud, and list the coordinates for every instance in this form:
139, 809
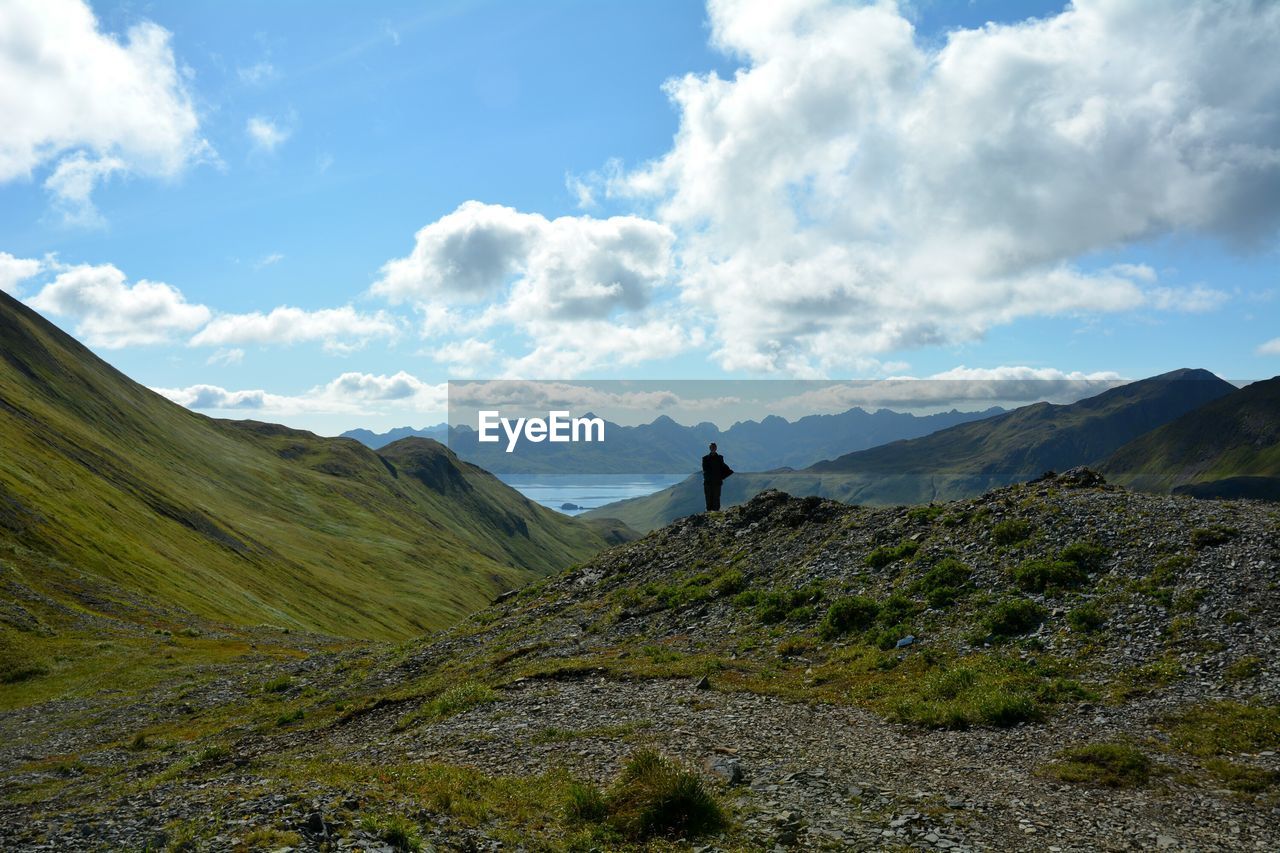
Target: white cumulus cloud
580, 291
364, 394
14, 271
111, 313
340, 329
855, 189
1271, 347
89, 103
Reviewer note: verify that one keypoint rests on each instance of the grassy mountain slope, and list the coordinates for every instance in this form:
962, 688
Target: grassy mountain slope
963, 460
243, 521
1236, 436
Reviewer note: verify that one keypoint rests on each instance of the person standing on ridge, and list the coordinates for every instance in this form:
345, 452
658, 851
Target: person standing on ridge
714, 473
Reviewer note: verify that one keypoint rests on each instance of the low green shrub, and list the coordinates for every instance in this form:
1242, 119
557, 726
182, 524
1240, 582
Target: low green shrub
1041, 574
927, 512
1086, 618
847, 614
728, 583
1088, 556
461, 698
777, 605
1013, 617
886, 554
1011, 532
278, 685
944, 583
897, 609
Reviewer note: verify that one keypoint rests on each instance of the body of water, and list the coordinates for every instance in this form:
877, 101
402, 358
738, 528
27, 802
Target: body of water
586, 491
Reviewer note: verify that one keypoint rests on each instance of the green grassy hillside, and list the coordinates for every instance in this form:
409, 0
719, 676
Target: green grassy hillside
961, 461
1233, 438
105, 485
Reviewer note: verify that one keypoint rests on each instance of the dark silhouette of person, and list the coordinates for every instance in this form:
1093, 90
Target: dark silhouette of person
714, 473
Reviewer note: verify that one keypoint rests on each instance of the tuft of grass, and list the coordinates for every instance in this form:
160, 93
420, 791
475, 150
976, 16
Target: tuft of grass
269, 839
18, 663
278, 685
288, 718
184, 836
1110, 765
850, 613
1241, 778
928, 512
1207, 537
977, 691
455, 700
1234, 617
395, 830
1249, 666
1187, 601
1168, 570
795, 645
655, 798
1013, 617
886, 554
1146, 679
585, 803
1086, 618
139, 743
1012, 531
1221, 728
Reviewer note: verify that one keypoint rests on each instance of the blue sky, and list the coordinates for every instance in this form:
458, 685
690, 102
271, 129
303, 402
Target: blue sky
319, 213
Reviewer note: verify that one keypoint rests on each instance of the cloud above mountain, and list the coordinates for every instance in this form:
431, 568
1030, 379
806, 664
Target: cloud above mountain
579, 290
85, 105
855, 190
351, 393
110, 312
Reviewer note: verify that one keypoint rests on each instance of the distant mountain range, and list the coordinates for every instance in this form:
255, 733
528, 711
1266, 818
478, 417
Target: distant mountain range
667, 447
377, 440
1227, 448
962, 460
114, 499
